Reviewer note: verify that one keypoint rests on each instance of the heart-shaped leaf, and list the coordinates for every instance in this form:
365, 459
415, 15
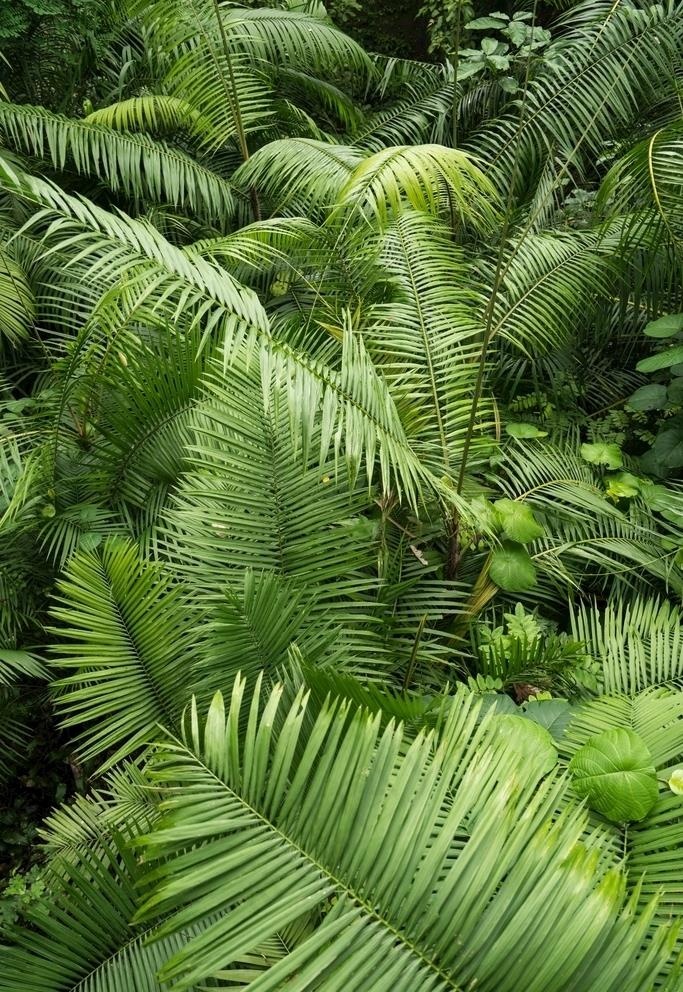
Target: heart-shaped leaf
615, 773
484, 23
521, 430
529, 739
551, 714
650, 397
517, 521
622, 485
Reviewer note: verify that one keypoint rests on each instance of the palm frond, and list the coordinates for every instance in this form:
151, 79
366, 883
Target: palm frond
298, 176
126, 639
17, 302
316, 816
595, 81
135, 164
428, 338
431, 178
639, 641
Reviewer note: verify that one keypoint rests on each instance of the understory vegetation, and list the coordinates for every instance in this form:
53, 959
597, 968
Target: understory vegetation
341, 498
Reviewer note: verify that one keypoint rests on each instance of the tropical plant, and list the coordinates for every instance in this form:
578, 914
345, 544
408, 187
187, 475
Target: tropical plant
326, 513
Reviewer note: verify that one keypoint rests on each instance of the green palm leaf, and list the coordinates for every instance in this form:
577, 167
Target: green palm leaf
428, 339
126, 638
595, 83
638, 641
431, 178
341, 822
17, 303
135, 164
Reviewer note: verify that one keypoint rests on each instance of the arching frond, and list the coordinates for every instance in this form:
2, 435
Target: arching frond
155, 112
428, 338
549, 280
650, 177
84, 939
317, 814
594, 83
298, 176
17, 302
651, 847
419, 175
126, 641
135, 164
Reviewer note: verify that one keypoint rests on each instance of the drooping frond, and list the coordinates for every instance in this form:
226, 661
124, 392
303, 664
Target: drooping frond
594, 83
125, 640
155, 112
650, 177
298, 176
135, 164
431, 178
651, 847
428, 338
17, 302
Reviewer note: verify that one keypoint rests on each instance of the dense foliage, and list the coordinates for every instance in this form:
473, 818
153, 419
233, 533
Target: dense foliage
341, 501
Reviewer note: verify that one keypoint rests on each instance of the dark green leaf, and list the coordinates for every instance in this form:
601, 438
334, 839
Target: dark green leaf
662, 360
650, 397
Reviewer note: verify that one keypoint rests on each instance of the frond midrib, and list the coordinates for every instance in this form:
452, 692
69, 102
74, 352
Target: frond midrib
339, 883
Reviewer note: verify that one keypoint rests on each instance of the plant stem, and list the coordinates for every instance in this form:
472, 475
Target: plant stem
234, 102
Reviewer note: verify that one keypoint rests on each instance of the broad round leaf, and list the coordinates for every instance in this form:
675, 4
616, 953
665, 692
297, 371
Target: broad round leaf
602, 453
484, 23
552, 715
529, 739
512, 568
522, 430
615, 773
622, 485
517, 521
650, 397
662, 360
668, 448
665, 327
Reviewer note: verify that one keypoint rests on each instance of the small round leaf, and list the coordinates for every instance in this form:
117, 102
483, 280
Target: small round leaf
676, 781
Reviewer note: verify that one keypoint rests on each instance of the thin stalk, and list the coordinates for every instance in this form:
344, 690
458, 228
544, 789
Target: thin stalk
413, 654
497, 282
455, 64
234, 103
501, 270
233, 97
